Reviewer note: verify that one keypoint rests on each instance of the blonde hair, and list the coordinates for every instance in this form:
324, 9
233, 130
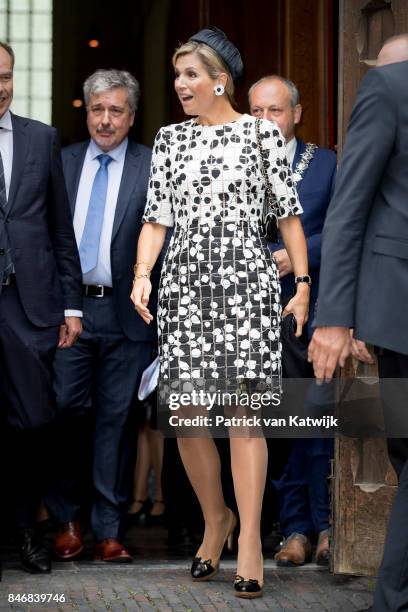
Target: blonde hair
211, 61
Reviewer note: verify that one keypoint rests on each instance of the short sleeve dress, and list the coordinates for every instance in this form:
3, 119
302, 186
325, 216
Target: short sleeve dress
219, 297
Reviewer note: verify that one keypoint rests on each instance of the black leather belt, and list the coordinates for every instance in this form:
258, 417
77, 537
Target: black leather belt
9, 280
96, 291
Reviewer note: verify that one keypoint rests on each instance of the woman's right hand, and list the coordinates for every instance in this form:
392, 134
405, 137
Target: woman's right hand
140, 297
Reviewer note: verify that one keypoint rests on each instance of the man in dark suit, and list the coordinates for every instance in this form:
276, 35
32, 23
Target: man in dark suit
302, 489
107, 179
40, 278
364, 273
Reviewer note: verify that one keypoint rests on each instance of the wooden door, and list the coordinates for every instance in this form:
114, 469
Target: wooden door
287, 37
364, 482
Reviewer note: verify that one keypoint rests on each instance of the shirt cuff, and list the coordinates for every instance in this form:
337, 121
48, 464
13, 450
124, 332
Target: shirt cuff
73, 313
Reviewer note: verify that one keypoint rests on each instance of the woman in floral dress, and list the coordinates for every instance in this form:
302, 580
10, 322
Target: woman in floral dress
219, 298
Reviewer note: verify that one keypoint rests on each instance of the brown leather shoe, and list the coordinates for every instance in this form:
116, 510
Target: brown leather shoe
111, 550
69, 542
296, 550
323, 548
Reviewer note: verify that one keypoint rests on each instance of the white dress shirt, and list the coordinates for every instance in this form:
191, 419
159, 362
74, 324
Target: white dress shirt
291, 150
6, 147
102, 273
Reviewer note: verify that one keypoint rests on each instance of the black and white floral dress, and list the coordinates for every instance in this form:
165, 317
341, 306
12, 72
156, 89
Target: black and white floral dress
219, 297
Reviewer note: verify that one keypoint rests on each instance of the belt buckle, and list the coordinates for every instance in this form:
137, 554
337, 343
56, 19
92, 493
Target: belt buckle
90, 289
102, 291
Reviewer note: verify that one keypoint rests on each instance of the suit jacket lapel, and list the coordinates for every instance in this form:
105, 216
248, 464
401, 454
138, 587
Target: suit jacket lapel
300, 147
20, 149
130, 176
72, 171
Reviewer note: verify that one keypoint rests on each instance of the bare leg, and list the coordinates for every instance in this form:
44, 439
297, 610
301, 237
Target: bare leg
249, 460
155, 438
202, 464
142, 469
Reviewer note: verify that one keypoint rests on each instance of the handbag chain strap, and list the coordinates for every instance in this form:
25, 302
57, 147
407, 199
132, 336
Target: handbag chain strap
270, 199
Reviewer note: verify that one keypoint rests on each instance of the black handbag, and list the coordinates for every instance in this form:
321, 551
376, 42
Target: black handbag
295, 362
269, 217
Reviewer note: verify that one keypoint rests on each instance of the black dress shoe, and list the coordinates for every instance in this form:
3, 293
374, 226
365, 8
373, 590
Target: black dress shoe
247, 589
133, 518
35, 558
181, 540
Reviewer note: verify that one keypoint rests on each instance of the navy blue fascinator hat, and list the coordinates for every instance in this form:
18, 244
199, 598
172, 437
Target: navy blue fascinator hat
217, 40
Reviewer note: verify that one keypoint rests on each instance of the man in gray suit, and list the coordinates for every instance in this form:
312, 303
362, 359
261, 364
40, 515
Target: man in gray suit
364, 272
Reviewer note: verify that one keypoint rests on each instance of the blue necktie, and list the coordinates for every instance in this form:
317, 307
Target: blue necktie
6, 264
89, 247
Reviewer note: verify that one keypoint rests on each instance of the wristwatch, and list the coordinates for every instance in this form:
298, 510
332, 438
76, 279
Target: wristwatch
303, 279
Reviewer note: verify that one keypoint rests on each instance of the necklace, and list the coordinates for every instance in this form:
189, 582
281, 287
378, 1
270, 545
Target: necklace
304, 161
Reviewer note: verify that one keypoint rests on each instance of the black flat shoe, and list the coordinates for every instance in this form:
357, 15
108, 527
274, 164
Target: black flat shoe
34, 557
247, 589
202, 570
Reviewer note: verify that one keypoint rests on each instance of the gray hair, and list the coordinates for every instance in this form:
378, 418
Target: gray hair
293, 90
105, 80
9, 50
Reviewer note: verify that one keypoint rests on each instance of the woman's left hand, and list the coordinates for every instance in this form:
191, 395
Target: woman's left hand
299, 307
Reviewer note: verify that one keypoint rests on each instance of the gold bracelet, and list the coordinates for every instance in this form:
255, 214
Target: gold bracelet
142, 263
147, 275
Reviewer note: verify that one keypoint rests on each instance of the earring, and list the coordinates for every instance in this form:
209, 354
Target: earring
219, 89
